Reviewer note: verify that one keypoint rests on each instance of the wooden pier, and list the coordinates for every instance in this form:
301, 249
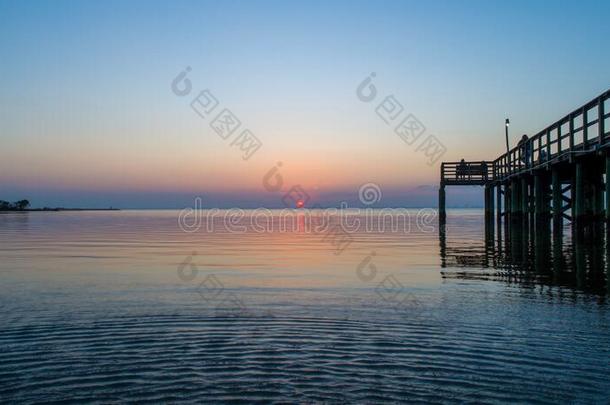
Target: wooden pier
558, 175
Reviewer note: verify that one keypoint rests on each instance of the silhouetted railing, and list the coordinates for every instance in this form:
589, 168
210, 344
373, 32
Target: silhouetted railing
466, 173
583, 130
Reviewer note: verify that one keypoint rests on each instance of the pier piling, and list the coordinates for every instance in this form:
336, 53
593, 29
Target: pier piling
607, 183
442, 214
499, 211
557, 202
489, 210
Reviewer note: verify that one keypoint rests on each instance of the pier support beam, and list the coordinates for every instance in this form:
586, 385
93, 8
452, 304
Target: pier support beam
541, 229
499, 210
507, 209
541, 201
595, 214
507, 198
557, 204
442, 213
608, 187
588, 198
525, 206
597, 182
579, 196
557, 201
489, 211
513, 195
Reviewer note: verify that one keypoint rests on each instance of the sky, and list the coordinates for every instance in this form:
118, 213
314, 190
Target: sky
89, 115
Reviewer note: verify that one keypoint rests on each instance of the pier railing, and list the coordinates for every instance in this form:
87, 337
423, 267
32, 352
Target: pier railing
583, 130
466, 173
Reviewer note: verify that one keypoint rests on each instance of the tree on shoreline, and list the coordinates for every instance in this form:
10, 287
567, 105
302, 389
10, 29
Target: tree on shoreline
22, 204
16, 206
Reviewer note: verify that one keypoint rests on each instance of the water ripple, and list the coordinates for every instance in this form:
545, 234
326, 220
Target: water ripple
269, 359
93, 311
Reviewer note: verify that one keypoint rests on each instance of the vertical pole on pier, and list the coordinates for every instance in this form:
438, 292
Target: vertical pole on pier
442, 239
486, 199
608, 187
499, 210
489, 223
541, 220
557, 204
442, 214
579, 198
538, 198
525, 197
598, 198
489, 210
516, 228
492, 204
541, 203
511, 194
595, 178
523, 203
601, 129
507, 211
557, 200
579, 191
580, 260
607, 264
515, 209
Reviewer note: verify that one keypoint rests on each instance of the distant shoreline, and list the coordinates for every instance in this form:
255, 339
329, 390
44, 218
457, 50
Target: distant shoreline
60, 209
224, 209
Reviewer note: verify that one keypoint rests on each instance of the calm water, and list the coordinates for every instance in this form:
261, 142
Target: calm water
126, 306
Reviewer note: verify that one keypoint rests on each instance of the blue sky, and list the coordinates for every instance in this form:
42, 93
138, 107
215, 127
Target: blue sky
87, 115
